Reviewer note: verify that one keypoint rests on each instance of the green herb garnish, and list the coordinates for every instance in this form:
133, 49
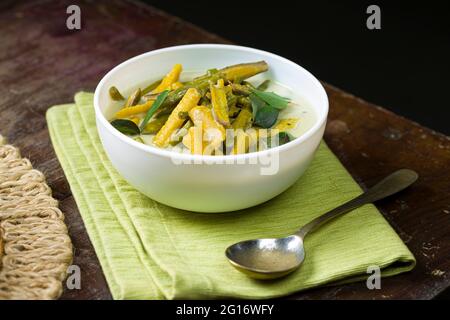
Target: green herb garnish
266, 107
158, 102
264, 115
125, 126
272, 99
257, 104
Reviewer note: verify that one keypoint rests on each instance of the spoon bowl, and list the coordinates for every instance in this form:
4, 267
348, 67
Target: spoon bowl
267, 258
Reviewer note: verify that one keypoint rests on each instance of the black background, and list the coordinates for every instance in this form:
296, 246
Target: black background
403, 67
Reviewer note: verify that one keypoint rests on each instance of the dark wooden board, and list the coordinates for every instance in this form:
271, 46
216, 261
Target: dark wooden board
42, 63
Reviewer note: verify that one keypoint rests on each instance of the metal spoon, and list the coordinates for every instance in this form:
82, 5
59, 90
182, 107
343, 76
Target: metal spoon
275, 258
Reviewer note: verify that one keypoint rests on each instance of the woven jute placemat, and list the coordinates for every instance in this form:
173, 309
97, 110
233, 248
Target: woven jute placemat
35, 248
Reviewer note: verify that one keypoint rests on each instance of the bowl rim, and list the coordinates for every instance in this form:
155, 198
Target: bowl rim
210, 158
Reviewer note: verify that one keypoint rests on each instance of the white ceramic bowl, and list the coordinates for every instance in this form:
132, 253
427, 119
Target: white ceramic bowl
209, 183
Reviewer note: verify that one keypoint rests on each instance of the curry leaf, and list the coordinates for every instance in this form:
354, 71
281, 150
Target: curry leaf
266, 117
272, 99
125, 126
257, 104
158, 102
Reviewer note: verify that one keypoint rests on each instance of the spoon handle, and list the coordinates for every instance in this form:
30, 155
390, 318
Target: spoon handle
393, 183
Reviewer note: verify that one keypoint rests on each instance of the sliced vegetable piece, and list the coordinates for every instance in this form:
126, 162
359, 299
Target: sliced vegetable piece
176, 85
193, 140
130, 111
155, 125
245, 103
241, 142
202, 117
286, 124
134, 98
228, 90
151, 96
115, 94
248, 84
244, 70
126, 126
178, 135
183, 115
253, 136
135, 120
243, 120
231, 99
209, 73
201, 83
172, 100
189, 101
205, 102
235, 73
169, 79
219, 103
241, 89
233, 111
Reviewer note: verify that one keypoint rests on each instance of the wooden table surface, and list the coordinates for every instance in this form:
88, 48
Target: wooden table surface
42, 63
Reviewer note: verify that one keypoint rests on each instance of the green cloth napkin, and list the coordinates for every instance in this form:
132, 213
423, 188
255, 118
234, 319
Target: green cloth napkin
150, 251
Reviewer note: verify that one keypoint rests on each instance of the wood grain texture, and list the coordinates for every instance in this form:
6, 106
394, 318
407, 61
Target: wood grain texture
42, 63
